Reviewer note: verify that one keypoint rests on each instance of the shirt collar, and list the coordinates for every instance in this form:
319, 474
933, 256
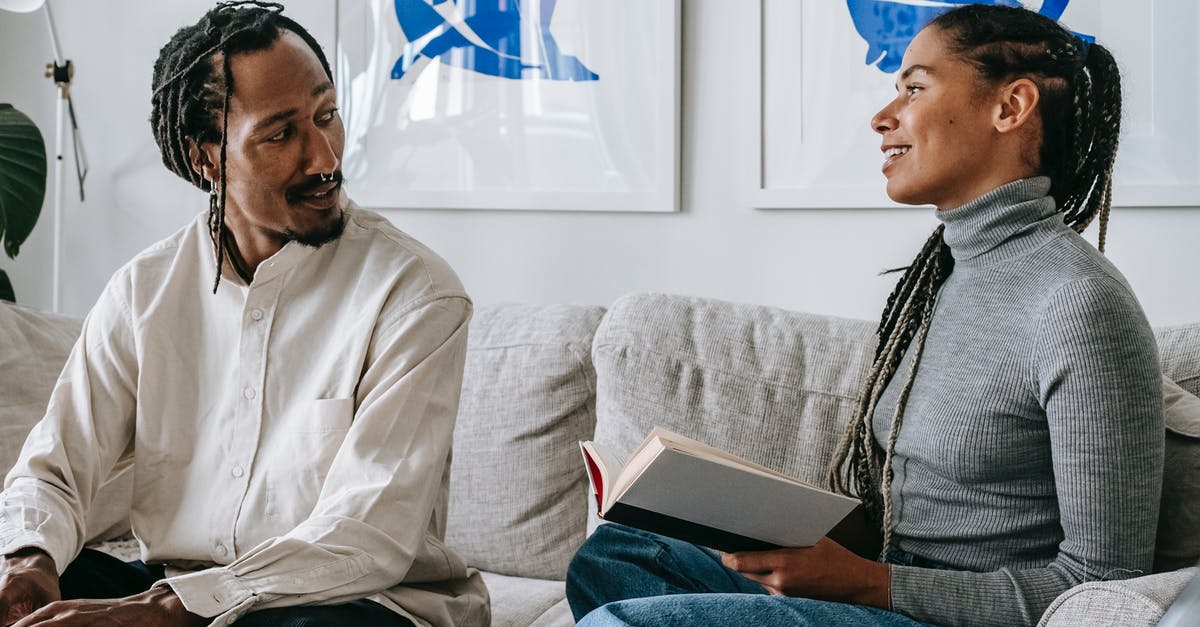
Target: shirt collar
1008, 220
284, 259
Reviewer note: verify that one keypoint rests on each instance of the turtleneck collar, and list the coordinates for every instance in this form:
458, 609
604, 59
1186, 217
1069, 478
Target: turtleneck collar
1009, 220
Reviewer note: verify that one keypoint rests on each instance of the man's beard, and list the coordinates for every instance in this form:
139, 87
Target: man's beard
319, 238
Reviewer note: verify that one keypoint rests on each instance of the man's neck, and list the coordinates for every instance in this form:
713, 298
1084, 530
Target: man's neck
248, 249
244, 269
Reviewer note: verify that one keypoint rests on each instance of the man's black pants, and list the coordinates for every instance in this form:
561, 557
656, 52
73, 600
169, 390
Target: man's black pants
96, 575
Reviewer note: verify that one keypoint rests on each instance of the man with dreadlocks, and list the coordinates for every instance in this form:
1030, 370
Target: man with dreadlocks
1009, 441
282, 376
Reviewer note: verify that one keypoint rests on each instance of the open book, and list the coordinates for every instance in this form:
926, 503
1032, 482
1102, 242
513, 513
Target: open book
678, 487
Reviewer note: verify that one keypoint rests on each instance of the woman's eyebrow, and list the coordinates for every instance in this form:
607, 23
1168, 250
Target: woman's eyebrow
910, 70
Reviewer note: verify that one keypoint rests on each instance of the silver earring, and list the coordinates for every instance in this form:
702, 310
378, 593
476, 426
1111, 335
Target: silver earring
326, 178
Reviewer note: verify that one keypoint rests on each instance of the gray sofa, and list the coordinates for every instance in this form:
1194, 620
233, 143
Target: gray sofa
772, 385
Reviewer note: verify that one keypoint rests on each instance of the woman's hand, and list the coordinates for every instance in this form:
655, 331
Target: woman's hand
825, 571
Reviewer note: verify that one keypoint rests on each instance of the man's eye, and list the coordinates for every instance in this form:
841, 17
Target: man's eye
278, 137
912, 89
330, 115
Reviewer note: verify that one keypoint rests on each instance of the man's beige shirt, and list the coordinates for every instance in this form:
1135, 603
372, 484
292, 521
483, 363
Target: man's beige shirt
289, 439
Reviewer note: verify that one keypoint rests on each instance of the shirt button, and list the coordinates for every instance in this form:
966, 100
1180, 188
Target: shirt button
248, 393
221, 550
237, 471
256, 314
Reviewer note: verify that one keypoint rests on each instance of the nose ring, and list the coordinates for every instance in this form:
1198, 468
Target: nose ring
326, 178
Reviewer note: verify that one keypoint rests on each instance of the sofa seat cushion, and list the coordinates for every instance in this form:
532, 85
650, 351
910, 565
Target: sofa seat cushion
517, 487
774, 386
521, 602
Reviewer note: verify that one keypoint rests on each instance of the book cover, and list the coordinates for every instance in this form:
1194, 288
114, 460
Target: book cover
690, 491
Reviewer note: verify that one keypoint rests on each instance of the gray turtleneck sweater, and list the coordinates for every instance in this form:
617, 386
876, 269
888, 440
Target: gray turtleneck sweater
1030, 454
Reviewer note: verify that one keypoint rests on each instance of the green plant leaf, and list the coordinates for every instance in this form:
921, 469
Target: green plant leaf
22, 177
6, 290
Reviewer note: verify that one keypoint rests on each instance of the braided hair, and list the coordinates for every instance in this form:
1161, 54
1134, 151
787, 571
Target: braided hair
192, 86
1080, 109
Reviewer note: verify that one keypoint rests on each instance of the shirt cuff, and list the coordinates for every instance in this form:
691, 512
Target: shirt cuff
13, 542
212, 593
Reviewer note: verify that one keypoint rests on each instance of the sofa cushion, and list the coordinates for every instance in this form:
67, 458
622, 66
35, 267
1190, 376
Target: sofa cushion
517, 487
773, 386
1178, 543
521, 602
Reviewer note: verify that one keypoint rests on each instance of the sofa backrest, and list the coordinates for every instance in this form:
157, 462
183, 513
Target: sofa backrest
776, 387
772, 385
517, 487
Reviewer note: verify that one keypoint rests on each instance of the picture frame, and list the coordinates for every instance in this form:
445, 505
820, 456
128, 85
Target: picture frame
562, 105
808, 139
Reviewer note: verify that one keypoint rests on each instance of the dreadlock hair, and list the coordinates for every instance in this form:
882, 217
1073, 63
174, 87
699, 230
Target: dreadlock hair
1080, 110
193, 84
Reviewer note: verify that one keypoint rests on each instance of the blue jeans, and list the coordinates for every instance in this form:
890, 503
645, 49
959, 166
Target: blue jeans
625, 576
96, 575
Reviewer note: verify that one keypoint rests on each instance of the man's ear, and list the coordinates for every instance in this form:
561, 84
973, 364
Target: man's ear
203, 160
1018, 101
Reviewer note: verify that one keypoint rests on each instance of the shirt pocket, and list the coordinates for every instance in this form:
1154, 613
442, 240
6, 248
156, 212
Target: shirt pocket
313, 440
327, 415
305, 447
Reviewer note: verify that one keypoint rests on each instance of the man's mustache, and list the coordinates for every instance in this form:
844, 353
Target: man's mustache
313, 184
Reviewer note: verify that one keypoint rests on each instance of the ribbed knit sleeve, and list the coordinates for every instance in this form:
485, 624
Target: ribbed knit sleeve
1095, 369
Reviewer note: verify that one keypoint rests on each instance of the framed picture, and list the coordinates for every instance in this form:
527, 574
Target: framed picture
511, 104
824, 68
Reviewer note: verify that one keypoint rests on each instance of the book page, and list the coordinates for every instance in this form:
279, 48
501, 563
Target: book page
601, 463
645, 453
695, 448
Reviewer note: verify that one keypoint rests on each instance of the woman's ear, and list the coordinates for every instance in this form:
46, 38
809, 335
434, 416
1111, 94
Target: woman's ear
202, 160
1019, 100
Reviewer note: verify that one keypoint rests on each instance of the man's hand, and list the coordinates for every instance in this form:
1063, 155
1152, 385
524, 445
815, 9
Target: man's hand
825, 571
157, 607
28, 581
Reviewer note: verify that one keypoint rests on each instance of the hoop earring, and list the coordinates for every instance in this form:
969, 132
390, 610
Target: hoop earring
326, 178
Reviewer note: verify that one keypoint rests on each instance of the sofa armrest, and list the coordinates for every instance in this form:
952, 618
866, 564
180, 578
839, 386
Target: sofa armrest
1125, 603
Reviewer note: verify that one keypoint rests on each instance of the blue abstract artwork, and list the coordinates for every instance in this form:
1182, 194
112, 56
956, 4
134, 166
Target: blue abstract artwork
494, 38
888, 26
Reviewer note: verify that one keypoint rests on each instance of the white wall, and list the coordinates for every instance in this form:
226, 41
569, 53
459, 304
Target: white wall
824, 261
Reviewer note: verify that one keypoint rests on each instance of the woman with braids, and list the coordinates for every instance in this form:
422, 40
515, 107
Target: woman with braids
281, 377
1008, 443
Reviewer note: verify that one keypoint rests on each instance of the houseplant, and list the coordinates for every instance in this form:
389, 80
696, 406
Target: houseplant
22, 183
